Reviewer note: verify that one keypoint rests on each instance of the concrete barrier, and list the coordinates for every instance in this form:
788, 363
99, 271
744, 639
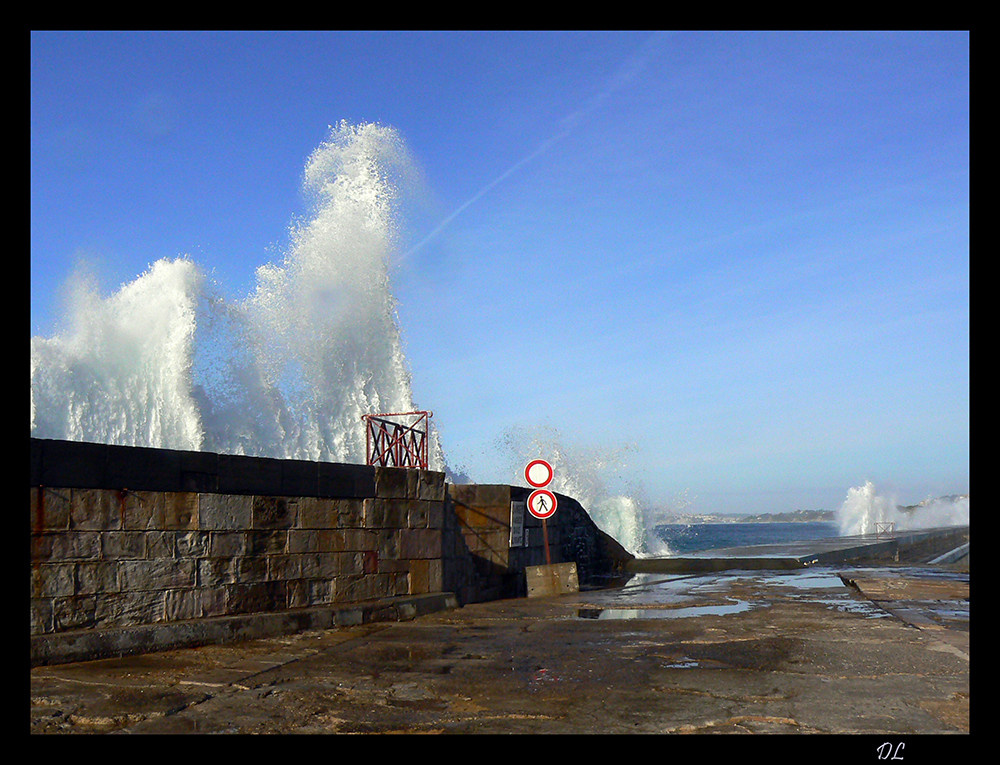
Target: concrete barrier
554, 579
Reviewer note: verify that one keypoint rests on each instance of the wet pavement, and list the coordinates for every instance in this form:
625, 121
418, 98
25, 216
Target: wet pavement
820, 650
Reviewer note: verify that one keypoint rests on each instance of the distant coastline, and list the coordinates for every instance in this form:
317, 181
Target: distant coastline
793, 516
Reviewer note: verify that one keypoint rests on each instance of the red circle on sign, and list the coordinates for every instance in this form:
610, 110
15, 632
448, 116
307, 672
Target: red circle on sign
542, 503
538, 466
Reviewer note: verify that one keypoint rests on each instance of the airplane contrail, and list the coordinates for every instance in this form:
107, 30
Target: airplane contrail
624, 76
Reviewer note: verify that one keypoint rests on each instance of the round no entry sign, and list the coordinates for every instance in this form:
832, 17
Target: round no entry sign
538, 473
542, 503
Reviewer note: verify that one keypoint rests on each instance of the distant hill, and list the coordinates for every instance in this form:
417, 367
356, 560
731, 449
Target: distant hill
803, 516
794, 516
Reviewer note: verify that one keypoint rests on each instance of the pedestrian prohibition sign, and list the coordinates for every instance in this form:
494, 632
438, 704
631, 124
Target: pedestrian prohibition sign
542, 503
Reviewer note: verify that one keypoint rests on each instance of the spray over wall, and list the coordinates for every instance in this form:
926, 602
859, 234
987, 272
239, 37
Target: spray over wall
286, 372
865, 506
592, 476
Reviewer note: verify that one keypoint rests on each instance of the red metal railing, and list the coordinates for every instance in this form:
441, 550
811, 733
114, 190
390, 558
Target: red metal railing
399, 442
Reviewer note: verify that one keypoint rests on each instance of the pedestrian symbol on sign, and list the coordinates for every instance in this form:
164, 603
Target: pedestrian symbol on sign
542, 503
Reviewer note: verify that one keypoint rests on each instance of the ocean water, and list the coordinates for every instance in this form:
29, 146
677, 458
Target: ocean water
681, 539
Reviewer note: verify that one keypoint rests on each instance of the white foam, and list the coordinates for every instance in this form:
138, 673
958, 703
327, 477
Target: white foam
286, 372
865, 508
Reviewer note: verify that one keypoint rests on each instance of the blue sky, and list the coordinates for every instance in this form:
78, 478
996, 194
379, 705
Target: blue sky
743, 256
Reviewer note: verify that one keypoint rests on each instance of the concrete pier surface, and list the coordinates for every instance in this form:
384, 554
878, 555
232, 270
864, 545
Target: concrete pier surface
877, 652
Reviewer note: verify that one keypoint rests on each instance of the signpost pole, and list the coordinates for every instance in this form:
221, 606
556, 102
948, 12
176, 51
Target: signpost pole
545, 535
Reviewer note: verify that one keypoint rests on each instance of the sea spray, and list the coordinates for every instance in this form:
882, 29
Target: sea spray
865, 510
592, 476
286, 372
119, 371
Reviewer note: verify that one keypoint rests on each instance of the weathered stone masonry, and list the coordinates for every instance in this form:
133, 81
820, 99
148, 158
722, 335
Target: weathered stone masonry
139, 549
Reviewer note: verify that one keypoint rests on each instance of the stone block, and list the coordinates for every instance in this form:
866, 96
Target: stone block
225, 512
350, 513
392, 565
425, 514
161, 544
181, 604
272, 512
51, 580
216, 572
348, 617
387, 544
192, 544
41, 547
266, 542
420, 543
476, 516
430, 485
314, 513
419, 577
180, 511
227, 544
386, 513
435, 515
348, 563
50, 509
315, 540
125, 609
395, 483
382, 585
285, 567
123, 545
298, 593
354, 587
212, 601
74, 613
398, 586
97, 509
480, 494
143, 510
435, 575
251, 569
256, 597
96, 577
70, 545
41, 621
160, 574
319, 591
321, 565
302, 541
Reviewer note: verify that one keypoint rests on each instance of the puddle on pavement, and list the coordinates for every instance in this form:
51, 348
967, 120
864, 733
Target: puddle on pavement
664, 597
734, 607
802, 580
684, 663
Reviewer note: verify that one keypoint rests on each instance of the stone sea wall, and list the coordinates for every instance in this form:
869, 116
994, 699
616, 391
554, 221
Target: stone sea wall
125, 539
